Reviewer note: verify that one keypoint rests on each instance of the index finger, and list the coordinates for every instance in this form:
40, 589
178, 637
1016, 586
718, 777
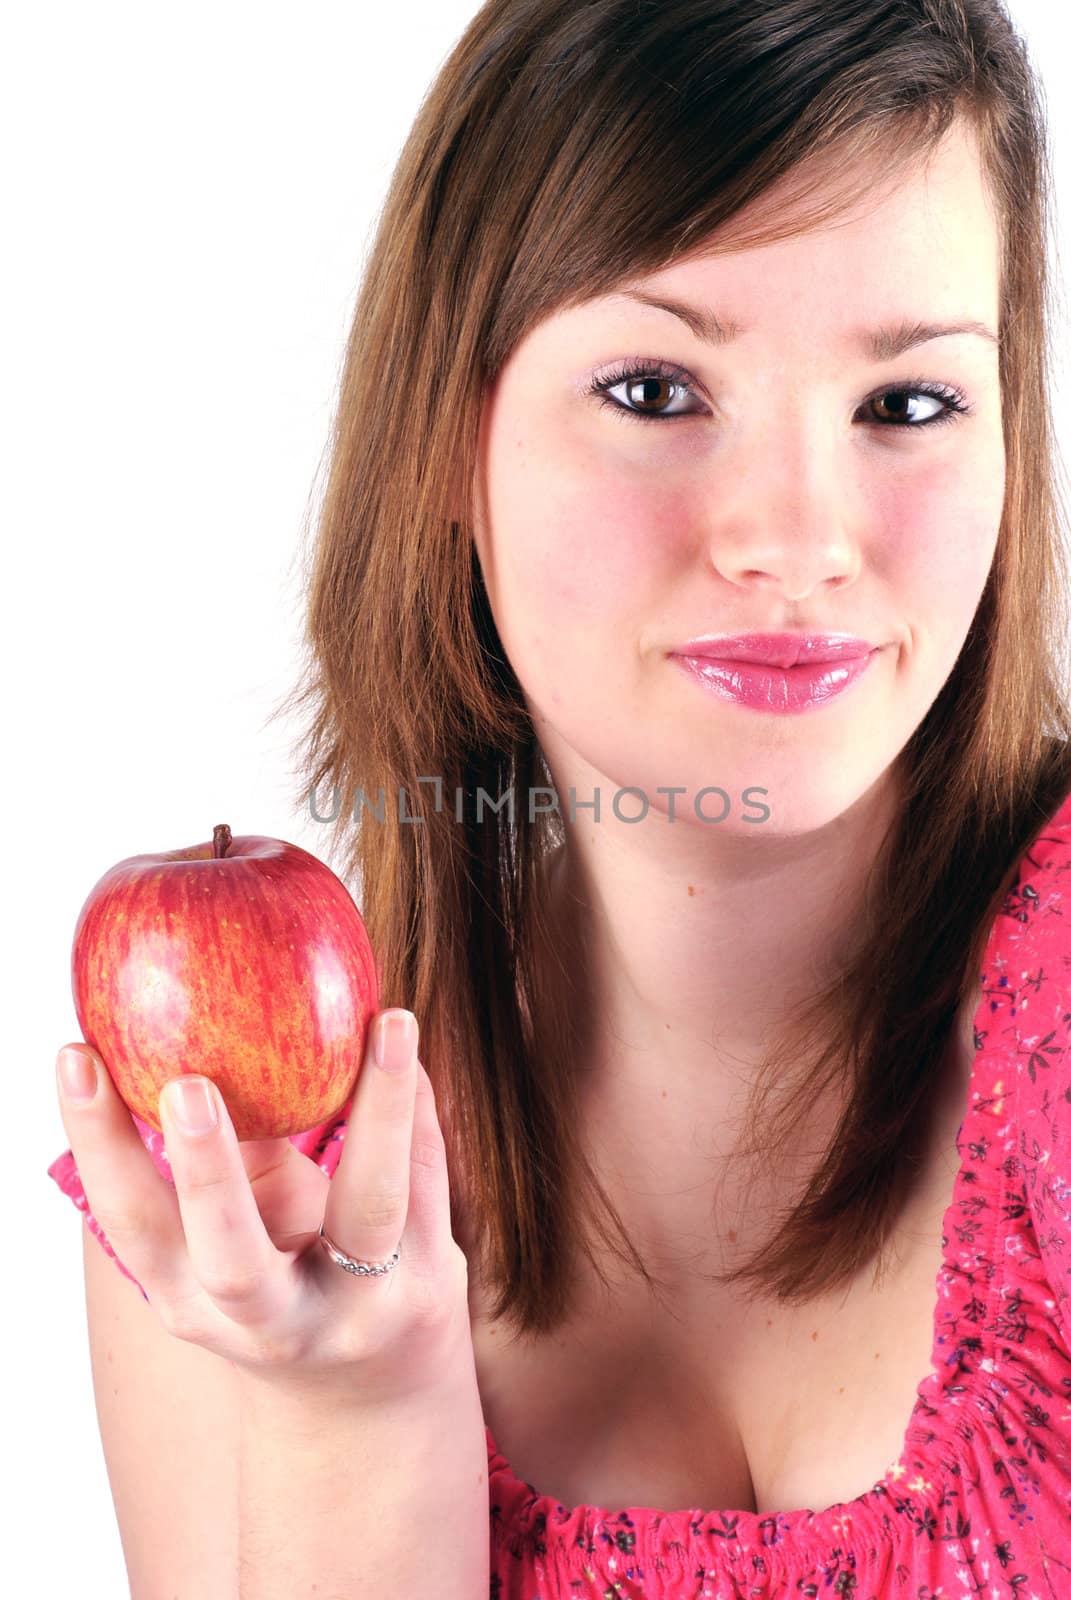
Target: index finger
136, 1208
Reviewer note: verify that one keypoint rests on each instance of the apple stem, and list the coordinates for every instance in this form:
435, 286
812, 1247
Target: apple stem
221, 840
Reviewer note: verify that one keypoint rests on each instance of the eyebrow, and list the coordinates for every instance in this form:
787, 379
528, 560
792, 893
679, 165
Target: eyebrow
880, 344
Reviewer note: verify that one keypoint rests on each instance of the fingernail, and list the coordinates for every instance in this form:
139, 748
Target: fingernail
395, 1040
191, 1101
78, 1075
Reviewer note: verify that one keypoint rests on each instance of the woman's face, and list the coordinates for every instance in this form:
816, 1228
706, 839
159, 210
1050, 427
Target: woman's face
788, 479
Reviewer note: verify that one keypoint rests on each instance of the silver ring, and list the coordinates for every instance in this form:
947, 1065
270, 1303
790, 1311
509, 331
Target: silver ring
360, 1269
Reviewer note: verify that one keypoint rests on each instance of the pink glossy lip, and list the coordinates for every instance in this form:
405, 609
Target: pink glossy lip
777, 649
755, 683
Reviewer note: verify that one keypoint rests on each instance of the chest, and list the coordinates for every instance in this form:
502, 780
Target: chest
722, 1404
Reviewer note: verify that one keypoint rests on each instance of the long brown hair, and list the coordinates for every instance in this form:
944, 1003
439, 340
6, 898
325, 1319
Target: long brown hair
561, 149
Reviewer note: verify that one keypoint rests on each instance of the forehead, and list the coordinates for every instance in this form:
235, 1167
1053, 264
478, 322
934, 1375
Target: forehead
910, 191
922, 243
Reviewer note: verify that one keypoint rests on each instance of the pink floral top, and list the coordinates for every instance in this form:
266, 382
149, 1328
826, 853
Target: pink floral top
978, 1503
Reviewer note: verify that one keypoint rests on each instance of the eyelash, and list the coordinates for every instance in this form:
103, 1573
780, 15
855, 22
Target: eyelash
641, 367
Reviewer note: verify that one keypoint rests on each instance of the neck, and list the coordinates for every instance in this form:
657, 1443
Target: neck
684, 973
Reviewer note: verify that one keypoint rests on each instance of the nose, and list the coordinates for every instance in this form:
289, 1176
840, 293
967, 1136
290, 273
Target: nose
786, 517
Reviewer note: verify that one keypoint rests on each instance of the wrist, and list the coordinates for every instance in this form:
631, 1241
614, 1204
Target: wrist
306, 1402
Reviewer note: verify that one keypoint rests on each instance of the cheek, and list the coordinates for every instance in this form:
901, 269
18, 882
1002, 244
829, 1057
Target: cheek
938, 534
586, 549
580, 552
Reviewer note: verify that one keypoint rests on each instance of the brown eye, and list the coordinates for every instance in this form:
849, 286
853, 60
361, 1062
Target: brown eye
649, 394
894, 407
650, 387
648, 390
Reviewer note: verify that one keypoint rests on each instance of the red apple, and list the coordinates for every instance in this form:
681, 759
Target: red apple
244, 959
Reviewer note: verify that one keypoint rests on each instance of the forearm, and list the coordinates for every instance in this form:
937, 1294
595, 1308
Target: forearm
342, 1504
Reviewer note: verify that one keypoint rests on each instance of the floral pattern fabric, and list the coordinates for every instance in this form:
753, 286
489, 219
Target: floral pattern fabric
978, 1503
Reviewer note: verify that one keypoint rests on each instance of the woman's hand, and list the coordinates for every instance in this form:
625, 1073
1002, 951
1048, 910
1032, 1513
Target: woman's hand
231, 1260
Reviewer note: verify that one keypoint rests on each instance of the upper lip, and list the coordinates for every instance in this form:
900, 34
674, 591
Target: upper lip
777, 649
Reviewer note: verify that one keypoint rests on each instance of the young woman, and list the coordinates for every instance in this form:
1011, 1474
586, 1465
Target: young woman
690, 569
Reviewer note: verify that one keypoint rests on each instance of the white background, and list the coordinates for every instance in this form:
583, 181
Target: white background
188, 195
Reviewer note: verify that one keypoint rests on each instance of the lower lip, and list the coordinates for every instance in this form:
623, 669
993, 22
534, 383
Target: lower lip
778, 689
